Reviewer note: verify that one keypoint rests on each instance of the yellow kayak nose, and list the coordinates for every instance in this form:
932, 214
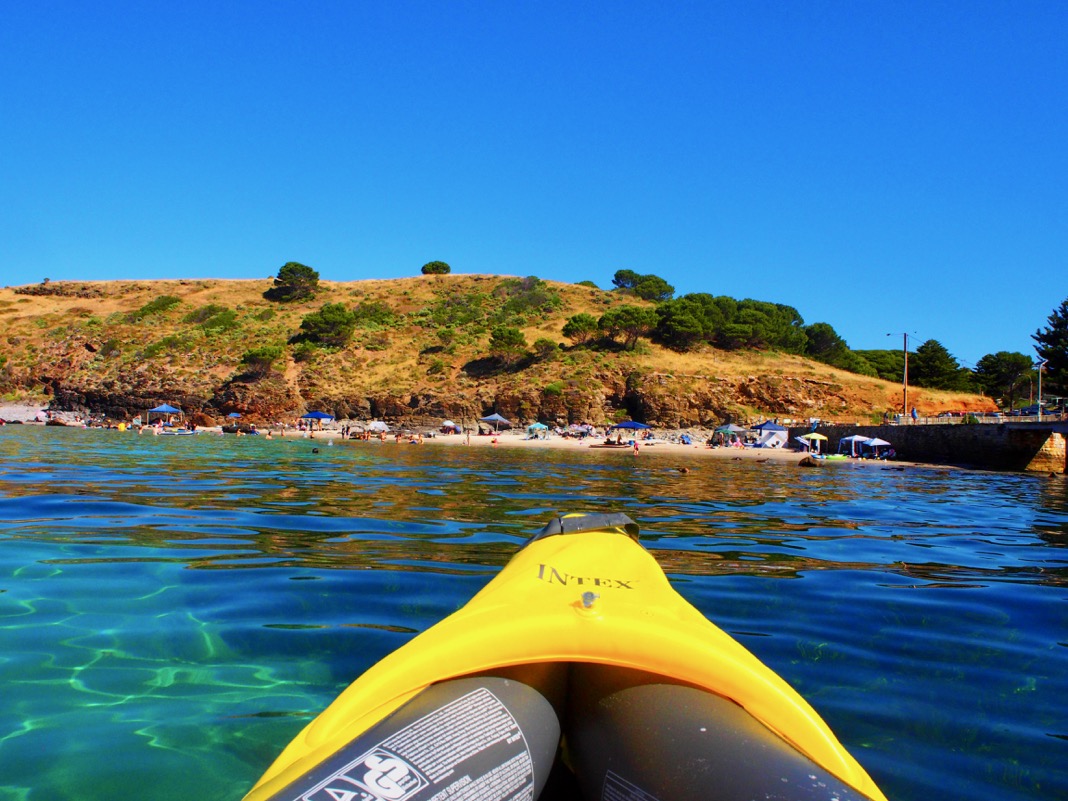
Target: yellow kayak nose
582, 605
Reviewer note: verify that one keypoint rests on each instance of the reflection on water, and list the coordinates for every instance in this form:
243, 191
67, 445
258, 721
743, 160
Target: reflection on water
173, 610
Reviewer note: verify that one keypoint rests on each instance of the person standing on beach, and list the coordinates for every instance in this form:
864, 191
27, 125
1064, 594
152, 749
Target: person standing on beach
913, 413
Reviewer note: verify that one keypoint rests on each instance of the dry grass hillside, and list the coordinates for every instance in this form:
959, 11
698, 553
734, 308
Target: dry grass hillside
115, 347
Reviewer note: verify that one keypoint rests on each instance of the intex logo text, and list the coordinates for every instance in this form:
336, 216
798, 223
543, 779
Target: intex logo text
551, 575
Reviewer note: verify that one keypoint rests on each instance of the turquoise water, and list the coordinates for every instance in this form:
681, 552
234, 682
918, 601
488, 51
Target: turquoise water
173, 610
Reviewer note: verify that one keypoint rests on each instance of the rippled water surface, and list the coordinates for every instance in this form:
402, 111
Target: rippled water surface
173, 610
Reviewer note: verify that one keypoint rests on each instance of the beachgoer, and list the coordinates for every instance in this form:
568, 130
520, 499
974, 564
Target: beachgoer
913, 413
635, 447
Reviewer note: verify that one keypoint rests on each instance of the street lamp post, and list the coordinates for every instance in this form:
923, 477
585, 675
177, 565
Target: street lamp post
904, 377
1041, 365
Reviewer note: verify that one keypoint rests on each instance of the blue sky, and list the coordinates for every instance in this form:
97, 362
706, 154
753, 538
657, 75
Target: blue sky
886, 167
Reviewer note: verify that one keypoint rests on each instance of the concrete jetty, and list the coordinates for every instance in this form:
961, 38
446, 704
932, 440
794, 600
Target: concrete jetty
1030, 446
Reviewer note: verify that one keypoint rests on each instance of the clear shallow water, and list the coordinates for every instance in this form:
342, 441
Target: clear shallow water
173, 610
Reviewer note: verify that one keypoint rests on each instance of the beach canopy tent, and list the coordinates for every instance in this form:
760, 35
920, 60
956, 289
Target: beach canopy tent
772, 435
534, 431
631, 425
854, 442
497, 420
769, 425
875, 444
164, 410
729, 433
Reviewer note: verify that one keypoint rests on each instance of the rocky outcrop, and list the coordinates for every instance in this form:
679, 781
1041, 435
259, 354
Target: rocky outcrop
658, 398
269, 398
682, 401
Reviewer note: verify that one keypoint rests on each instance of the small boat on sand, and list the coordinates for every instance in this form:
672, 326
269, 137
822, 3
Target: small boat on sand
577, 673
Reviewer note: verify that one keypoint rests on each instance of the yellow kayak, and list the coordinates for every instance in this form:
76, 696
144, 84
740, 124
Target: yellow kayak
577, 672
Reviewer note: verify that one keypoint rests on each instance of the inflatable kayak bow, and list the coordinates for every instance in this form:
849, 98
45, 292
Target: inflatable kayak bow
578, 672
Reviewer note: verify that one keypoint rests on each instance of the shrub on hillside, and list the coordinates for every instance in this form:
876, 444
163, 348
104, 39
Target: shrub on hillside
520, 299
304, 352
199, 315
625, 324
508, 344
225, 320
580, 328
333, 325
260, 360
169, 344
436, 268
295, 281
546, 349
157, 306
374, 314
647, 287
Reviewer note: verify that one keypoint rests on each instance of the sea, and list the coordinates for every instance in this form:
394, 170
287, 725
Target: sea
173, 610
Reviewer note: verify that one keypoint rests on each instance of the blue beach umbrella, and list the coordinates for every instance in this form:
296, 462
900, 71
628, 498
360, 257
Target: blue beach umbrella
630, 424
497, 420
163, 409
233, 415
317, 416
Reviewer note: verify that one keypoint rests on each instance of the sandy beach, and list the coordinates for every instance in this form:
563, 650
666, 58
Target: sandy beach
506, 439
21, 412
516, 439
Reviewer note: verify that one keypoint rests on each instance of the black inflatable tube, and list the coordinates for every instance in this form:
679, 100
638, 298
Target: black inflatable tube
628, 735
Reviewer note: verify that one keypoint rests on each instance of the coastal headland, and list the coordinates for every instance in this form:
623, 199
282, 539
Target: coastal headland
419, 350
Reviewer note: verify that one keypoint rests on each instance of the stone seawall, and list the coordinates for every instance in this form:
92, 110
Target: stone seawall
992, 447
